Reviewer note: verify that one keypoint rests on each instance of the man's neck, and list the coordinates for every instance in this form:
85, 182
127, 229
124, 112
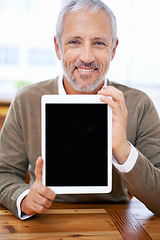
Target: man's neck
70, 90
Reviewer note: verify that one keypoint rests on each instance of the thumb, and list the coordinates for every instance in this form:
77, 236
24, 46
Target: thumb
38, 169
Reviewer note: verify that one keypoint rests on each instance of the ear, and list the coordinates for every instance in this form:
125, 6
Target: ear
57, 49
114, 50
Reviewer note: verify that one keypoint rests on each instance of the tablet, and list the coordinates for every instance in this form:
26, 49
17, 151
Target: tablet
76, 144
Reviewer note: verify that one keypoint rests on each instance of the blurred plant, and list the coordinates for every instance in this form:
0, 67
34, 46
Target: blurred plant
20, 84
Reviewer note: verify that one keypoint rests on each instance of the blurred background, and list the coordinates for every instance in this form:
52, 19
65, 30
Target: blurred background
27, 29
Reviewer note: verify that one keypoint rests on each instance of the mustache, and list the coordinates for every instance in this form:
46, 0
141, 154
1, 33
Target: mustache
83, 64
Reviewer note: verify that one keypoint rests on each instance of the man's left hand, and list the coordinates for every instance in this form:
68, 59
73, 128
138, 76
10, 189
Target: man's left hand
120, 146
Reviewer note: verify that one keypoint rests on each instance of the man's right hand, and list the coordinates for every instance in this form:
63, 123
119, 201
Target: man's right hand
40, 197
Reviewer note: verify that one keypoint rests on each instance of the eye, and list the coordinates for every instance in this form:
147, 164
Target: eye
99, 43
73, 42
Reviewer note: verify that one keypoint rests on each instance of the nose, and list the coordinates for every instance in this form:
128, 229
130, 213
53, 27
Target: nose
87, 54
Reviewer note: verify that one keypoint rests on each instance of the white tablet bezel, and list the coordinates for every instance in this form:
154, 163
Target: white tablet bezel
76, 99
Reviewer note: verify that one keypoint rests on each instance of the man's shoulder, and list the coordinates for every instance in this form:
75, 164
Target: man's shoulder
38, 89
130, 92
136, 100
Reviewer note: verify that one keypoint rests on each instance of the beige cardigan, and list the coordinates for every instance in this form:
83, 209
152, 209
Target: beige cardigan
20, 145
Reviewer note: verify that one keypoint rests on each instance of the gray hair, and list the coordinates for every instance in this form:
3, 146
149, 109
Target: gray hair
94, 5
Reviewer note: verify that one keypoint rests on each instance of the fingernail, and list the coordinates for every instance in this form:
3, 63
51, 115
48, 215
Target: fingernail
104, 87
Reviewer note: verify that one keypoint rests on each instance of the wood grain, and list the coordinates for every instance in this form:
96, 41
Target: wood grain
60, 224
127, 224
64, 236
66, 221
2, 118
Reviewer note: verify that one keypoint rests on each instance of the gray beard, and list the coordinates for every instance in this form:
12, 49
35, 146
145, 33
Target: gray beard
80, 87
87, 87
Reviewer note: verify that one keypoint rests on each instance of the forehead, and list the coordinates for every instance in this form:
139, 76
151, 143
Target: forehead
84, 23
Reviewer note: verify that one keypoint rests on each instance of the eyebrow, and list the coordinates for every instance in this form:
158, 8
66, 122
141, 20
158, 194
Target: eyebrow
73, 37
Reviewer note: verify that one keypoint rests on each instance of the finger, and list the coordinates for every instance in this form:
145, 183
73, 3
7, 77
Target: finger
46, 192
108, 101
30, 207
38, 189
35, 208
118, 100
38, 169
43, 201
113, 92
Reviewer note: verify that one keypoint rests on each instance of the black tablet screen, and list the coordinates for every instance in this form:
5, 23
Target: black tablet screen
76, 144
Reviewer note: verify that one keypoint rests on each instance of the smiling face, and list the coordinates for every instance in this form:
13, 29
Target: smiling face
86, 50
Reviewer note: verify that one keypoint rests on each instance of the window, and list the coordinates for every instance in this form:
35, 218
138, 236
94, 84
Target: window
9, 56
41, 57
27, 29
137, 58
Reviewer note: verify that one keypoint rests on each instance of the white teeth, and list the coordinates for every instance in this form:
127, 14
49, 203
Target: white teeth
85, 70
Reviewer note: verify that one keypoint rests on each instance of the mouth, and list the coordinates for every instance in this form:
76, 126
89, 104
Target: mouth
86, 69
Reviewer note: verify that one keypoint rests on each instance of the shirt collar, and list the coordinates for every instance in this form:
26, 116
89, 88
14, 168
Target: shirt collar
61, 89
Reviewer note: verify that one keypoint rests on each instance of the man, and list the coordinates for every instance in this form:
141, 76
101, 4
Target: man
85, 42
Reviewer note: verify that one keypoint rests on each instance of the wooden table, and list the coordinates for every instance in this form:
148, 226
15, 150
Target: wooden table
83, 221
4, 106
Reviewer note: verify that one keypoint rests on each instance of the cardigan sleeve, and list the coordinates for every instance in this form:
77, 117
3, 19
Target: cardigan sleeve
143, 181
20, 141
13, 159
